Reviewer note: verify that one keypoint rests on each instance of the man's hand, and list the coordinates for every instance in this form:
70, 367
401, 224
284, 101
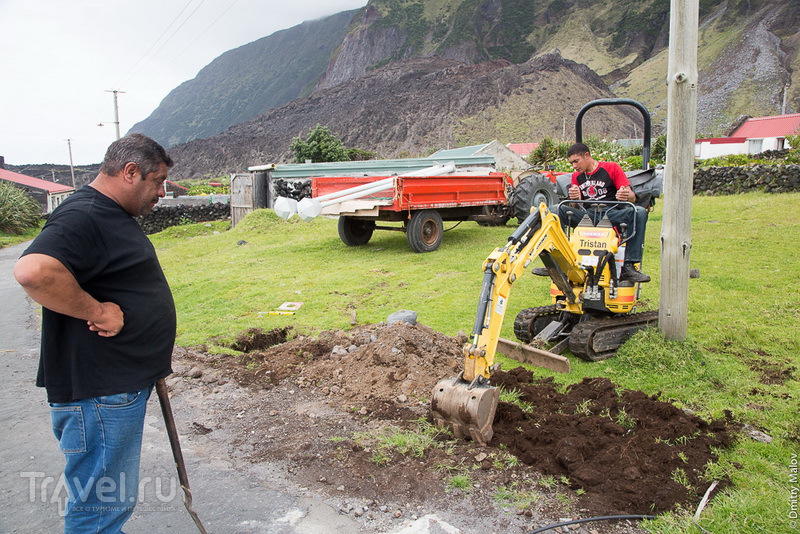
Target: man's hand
626, 194
110, 321
574, 192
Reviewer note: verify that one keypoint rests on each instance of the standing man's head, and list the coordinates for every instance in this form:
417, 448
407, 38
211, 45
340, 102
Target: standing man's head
581, 159
133, 173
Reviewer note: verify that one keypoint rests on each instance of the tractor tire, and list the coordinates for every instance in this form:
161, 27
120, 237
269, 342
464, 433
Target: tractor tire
425, 231
355, 232
531, 191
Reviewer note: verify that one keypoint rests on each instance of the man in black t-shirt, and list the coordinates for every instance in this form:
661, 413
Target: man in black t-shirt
108, 328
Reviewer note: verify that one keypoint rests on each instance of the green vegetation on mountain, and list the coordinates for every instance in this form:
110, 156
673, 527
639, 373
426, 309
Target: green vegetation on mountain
747, 58
247, 81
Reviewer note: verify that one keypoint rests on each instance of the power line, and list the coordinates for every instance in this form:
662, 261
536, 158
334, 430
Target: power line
206, 29
144, 60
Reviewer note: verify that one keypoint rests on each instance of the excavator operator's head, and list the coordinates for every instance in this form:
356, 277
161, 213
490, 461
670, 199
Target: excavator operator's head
580, 158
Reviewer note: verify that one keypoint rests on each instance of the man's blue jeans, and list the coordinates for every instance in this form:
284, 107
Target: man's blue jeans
101, 439
618, 215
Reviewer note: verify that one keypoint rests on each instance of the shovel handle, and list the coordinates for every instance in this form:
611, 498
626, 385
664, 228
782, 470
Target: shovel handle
177, 454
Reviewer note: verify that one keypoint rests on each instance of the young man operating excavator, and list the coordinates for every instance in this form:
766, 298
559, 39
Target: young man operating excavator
605, 180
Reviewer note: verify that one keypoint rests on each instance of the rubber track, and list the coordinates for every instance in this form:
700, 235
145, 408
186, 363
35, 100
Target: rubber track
522, 323
582, 338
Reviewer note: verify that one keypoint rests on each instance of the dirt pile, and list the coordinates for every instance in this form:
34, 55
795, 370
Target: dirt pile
398, 362
620, 452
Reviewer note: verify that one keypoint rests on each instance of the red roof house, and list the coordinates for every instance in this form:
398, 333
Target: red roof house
755, 135
522, 149
48, 194
777, 127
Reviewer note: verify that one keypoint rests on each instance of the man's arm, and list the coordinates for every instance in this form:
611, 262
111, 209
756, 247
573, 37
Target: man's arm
47, 281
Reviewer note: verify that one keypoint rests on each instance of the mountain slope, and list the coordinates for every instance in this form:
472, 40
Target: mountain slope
412, 107
747, 64
247, 81
386, 89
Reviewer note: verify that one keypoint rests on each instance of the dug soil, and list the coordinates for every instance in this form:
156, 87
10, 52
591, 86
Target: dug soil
320, 406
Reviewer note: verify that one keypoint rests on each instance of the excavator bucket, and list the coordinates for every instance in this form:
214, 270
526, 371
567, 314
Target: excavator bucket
468, 409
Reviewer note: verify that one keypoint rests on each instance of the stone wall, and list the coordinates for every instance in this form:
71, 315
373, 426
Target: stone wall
165, 216
732, 180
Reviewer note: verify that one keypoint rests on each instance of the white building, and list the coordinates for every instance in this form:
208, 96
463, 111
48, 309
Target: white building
754, 136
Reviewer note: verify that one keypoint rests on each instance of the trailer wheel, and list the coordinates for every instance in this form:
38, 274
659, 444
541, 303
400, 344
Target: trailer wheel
355, 232
425, 231
531, 191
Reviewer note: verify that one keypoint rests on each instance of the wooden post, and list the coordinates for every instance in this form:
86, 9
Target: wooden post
676, 238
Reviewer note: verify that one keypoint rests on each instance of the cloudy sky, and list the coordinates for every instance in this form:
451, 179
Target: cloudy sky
60, 59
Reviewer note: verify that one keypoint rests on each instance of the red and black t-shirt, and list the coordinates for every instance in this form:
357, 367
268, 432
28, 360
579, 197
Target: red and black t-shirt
603, 183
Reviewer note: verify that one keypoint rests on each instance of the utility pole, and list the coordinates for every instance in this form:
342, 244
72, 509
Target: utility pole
676, 230
116, 108
71, 168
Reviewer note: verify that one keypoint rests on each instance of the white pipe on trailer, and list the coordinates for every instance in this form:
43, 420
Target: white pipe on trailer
309, 208
436, 170
385, 183
286, 207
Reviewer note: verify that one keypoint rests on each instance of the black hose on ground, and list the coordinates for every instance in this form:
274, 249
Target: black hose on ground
592, 519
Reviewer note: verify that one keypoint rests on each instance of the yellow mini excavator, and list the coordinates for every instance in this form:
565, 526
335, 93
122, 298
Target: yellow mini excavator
592, 311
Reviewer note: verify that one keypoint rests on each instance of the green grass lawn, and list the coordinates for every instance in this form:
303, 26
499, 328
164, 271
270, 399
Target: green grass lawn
741, 355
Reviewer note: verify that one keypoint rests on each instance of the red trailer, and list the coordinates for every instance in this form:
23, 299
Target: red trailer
421, 203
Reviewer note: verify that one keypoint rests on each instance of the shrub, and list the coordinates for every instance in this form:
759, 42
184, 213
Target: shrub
549, 152
732, 160
18, 210
321, 145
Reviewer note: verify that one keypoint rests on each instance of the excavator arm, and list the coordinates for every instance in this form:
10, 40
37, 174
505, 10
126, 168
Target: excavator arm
539, 235
468, 403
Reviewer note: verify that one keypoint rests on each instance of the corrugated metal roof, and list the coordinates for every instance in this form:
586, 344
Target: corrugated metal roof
462, 152
35, 183
383, 167
777, 126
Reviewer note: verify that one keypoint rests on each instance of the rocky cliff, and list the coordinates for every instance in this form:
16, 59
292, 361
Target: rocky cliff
413, 107
247, 81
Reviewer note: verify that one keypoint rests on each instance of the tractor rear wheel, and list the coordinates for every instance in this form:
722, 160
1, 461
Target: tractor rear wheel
531, 191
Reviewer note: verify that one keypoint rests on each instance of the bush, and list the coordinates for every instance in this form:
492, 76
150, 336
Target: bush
732, 160
209, 190
320, 146
357, 154
18, 210
549, 152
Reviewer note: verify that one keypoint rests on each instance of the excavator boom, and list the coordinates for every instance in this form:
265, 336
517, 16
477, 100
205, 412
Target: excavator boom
467, 403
